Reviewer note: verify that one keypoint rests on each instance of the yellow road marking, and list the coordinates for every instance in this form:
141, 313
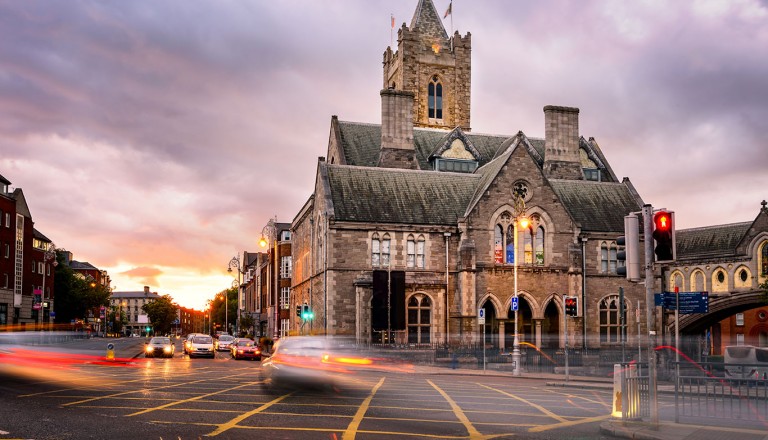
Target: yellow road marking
542, 428
191, 399
539, 407
233, 423
473, 433
351, 431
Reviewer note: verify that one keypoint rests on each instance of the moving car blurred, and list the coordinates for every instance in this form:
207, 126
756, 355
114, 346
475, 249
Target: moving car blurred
187, 341
244, 348
159, 346
201, 345
224, 342
321, 362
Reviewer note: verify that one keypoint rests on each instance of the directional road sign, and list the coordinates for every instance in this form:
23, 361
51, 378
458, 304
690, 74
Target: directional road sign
690, 302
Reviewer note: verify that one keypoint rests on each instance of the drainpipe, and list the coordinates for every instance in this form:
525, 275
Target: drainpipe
447, 236
584, 291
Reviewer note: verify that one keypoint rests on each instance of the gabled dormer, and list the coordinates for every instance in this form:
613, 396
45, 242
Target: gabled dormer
455, 152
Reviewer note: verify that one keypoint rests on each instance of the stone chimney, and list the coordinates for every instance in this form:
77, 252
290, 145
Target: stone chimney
561, 143
397, 149
146, 290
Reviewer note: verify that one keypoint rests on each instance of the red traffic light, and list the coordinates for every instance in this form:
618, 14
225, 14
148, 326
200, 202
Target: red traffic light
662, 221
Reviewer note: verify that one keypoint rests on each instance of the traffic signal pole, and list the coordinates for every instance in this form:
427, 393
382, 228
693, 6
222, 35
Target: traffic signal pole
650, 315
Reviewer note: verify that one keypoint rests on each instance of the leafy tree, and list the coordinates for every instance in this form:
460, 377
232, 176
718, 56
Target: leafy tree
219, 314
115, 320
74, 295
161, 312
246, 324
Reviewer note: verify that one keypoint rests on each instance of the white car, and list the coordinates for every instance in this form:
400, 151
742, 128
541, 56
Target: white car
201, 345
224, 343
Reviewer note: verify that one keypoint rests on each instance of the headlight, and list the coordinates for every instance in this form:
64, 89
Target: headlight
167, 349
150, 349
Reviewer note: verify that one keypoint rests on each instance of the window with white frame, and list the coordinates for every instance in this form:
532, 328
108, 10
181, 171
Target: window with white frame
610, 324
410, 247
608, 257
285, 236
286, 267
420, 259
285, 326
7, 220
285, 297
40, 268
380, 248
740, 319
419, 319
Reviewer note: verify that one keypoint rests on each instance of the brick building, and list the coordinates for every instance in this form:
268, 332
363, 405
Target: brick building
410, 228
24, 267
273, 275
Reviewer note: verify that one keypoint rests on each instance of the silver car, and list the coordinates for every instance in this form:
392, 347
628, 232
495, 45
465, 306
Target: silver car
201, 345
159, 346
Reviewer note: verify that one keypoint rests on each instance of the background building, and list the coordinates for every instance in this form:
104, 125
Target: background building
130, 303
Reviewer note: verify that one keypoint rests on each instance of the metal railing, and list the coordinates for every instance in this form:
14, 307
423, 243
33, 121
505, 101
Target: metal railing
721, 398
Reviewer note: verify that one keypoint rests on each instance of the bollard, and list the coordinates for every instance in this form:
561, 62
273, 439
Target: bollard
110, 352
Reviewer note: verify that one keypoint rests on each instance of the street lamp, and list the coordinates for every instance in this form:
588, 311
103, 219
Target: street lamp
49, 254
269, 238
233, 263
523, 222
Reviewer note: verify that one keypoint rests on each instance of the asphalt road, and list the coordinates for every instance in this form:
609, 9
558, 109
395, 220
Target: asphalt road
182, 398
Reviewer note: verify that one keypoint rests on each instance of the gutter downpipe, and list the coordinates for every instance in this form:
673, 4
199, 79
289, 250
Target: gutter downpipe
584, 291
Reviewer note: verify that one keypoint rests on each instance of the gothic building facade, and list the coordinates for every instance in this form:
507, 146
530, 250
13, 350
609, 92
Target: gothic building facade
416, 223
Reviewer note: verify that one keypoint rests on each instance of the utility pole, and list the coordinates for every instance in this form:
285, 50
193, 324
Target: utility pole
650, 315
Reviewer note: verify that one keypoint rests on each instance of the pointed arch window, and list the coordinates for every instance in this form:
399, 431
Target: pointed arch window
538, 248
764, 260
410, 252
610, 324
435, 98
608, 257
533, 246
419, 319
375, 250
420, 259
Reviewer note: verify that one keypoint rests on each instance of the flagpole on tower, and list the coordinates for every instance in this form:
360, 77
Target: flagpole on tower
392, 30
448, 12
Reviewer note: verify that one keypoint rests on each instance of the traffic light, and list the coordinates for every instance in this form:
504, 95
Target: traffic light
571, 306
630, 255
664, 235
298, 310
306, 313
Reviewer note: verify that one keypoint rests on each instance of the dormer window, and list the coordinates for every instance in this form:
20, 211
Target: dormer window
435, 98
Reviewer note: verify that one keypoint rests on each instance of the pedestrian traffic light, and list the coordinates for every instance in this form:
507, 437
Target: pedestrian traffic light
306, 313
629, 254
298, 310
664, 235
571, 306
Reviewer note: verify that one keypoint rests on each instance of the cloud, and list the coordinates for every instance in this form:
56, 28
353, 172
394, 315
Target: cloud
146, 275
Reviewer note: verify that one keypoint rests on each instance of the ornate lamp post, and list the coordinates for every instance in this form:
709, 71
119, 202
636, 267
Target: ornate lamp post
523, 222
233, 263
269, 240
48, 255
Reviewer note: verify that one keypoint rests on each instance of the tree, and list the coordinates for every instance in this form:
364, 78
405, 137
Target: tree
764, 294
246, 324
115, 320
162, 312
74, 294
219, 314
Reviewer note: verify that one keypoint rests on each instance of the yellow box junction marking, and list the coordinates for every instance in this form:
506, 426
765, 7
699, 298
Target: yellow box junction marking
473, 433
351, 431
233, 423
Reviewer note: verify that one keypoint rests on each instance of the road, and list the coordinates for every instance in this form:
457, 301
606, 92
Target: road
194, 398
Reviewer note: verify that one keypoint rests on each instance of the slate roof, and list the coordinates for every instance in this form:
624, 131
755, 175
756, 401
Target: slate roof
427, 21
596, 206
3, 180
137, 294
82, 265
40, 236
386, 195
710, 241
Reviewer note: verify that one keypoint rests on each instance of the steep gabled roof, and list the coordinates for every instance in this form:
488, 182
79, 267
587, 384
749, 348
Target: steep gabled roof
385, 195
40, 236
446, 142
596, 206
710, 241
82, 265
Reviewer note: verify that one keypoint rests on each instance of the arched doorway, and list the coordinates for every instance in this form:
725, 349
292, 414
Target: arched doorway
550, 327
491, 324
525, 325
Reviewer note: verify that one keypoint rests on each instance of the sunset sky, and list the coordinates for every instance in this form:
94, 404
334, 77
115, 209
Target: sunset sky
155, 139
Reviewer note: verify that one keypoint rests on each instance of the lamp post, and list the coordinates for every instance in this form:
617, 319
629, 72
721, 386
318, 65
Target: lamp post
269, 240
49, 254
233, 263
123, 303
523, 222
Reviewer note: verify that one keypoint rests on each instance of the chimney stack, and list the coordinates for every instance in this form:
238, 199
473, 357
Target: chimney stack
397, 149
561, 143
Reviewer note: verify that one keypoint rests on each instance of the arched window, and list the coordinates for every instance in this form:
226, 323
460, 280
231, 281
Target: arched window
419, 319
385, 250
527, 245
435, 98
539, 246
743, 278
420, 259
764, 260
498, 244
719, 281
604, 257
509, 254
677, 280
608, 256
375, 250
610, 324
411, 252
697, 281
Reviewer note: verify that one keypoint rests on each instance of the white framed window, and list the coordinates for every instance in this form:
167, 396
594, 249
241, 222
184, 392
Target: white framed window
610, 324
419, 319
285, 297
7, 251
740, 319
380, 250
739, 339
34, 266
286, 267
285, 325
40, 268
7, 220
410, 260
420, 259
285, 236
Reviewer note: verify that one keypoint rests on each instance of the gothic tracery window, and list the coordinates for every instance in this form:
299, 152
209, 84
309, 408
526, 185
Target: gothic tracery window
419, 319
610, 324
435, 98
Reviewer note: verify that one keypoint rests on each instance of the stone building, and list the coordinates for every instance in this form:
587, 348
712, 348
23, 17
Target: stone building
410, 228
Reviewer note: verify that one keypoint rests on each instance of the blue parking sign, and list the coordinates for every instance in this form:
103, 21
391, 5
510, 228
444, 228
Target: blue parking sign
514, 303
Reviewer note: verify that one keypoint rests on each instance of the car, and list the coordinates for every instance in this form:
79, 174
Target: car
200, 345
244, 348
224, 342
159, 346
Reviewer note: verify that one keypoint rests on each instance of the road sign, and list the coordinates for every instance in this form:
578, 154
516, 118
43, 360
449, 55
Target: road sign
514, 303
690, 302
481, 316
53, 314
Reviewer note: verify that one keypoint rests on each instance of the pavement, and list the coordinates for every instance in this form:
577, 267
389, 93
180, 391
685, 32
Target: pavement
641, 430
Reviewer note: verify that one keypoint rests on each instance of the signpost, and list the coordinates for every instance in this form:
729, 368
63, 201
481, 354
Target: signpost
481, 321
690, 302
